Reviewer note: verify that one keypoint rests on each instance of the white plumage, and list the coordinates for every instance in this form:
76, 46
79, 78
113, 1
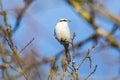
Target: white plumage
62, 31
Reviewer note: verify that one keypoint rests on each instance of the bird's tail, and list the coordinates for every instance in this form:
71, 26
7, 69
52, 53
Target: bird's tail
67, 54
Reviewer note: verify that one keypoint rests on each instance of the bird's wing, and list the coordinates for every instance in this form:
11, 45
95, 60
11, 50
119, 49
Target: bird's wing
55, 34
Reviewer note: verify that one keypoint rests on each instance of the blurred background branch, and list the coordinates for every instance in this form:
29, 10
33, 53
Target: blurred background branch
21, 14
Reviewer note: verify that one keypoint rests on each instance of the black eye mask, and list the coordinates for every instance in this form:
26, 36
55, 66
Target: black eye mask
64, 20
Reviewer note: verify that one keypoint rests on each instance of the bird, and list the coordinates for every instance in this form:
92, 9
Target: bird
62, 34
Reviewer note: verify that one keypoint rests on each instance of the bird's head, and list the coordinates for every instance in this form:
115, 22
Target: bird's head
64, 20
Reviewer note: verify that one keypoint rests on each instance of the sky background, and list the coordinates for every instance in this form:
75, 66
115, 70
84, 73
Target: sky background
39, 22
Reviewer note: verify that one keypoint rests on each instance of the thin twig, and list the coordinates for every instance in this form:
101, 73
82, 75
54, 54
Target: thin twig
73, 50
39, 63
75, 71
83, 59
13, 68
87, 55
73, 55
90, 61
27, 45
91, 72
14, 51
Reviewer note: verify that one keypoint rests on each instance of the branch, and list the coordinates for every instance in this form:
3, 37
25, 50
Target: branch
27, 45
98, 31
78, 44
73, 50
91, 72
20, 15
3, 66
16, 55
87, 55
90, 61
103, 11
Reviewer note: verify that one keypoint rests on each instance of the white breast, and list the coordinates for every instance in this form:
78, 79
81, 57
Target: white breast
62, 31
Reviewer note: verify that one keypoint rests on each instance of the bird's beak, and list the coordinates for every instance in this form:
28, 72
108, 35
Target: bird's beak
69, 20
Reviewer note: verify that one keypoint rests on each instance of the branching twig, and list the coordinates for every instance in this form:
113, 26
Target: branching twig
75, 71
44, 61
75, 68
91, 73
87, 55
14, 51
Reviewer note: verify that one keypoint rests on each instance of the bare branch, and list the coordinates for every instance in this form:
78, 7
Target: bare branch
73, 50
27, 45
103, 11
91, 72
14, 51
3, 66
20, 15
90, 61
87, 55
98, 31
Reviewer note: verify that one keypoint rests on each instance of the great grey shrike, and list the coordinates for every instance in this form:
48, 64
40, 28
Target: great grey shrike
62, 34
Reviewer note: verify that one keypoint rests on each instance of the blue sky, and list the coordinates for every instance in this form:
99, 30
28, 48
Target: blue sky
43, 15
